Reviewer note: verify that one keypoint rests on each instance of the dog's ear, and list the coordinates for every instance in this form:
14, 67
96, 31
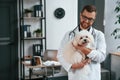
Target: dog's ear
75, 41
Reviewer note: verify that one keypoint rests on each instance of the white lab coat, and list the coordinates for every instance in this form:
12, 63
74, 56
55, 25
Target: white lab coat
97, 56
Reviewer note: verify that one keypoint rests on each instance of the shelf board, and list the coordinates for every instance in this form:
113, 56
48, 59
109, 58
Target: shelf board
33, 18
33, 38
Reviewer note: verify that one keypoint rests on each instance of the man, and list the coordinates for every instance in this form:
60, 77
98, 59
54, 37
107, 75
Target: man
98, 55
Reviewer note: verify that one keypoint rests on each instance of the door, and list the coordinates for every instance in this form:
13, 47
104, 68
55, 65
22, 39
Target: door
8, 40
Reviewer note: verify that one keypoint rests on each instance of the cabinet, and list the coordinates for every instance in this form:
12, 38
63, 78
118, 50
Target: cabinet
32, 20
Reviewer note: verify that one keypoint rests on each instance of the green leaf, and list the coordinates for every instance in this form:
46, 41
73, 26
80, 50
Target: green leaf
117, 9
118, 47
116, 22
119, 19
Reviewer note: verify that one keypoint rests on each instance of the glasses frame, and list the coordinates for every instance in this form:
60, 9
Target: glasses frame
87, 18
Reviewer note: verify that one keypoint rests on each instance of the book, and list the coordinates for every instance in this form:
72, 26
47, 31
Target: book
37, 10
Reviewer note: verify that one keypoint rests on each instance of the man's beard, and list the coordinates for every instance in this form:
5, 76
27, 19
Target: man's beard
85, 25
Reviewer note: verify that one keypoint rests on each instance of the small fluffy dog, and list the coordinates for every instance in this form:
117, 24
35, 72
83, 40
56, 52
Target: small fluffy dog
71, 55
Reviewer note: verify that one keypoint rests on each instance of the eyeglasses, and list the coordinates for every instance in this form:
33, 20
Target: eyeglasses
86, 18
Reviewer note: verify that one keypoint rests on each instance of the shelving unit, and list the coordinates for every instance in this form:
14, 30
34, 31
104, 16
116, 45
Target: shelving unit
28, 40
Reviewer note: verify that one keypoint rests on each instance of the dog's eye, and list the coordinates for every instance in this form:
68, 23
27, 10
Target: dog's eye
86, 36
81, 38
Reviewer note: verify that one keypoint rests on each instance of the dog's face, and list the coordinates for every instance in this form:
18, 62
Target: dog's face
83, 38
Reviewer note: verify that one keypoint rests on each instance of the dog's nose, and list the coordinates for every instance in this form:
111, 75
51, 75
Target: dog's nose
85, 40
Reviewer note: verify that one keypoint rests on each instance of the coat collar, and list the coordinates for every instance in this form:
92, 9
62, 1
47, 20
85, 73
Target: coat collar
90, 29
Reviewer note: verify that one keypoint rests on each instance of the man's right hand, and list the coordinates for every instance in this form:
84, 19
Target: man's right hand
80, 65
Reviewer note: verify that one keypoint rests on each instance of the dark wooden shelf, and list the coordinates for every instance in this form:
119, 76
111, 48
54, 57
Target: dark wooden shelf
33, 18
33, 38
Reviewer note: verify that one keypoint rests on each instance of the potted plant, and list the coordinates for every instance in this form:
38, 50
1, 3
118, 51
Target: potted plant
28, 12
38, 32
116, 31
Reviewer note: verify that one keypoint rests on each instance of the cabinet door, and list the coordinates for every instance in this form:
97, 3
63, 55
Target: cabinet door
8, 41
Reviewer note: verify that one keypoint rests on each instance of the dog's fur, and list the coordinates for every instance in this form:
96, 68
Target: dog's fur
83, 38
71, 55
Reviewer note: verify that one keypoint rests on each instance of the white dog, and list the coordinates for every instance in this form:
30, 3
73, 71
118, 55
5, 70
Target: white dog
72, 55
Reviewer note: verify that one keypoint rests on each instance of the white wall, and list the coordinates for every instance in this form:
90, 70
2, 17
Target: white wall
56, 28
111, 42
110, 26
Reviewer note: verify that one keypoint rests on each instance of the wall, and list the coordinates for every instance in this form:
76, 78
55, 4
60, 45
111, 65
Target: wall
111, 42
56, 28
110, 26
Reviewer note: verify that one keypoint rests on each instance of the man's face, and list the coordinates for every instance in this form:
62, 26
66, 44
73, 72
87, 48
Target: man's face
87, 19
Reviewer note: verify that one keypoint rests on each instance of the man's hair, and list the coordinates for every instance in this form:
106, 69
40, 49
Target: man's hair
89, 8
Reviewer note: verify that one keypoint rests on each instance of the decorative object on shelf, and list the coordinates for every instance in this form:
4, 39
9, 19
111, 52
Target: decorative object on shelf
28, 12
116, 32
27, 32
36, 60
37, 50
38, 32
37, 10
59, 13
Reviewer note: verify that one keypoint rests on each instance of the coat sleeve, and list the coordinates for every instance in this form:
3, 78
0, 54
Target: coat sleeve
60, 58
99, 54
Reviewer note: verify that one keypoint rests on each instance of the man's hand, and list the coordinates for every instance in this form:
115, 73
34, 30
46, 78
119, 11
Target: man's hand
81, 64
82, 49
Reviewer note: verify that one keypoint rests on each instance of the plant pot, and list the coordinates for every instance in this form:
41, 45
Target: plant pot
28, 14
38, 34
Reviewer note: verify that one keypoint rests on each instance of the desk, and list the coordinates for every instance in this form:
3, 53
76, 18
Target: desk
40, 66
115, 65
116, 54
